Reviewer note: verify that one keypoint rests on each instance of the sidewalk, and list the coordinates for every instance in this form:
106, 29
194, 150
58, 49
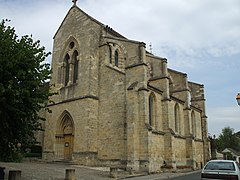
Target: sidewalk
55, 171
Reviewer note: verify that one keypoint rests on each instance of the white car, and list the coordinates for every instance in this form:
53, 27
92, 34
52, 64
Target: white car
221, 169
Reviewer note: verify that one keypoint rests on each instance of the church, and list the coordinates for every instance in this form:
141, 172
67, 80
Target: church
118, 104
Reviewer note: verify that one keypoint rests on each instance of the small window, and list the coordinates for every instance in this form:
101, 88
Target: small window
71, 45
177, 118
151, 110
116, 58
193, 124
110, 55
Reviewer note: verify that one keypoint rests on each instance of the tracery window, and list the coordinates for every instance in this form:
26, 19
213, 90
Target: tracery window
68, 72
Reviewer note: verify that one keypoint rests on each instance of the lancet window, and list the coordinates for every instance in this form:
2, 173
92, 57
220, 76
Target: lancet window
110, 55
70, 66
177, 118
115, 56
75, 62
67, 65
193, 124
152, 110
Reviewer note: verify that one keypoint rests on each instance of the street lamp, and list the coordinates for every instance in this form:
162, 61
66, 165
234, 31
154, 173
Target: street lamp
238, 99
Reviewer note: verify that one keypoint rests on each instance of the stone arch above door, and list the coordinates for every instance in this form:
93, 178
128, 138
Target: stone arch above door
64, 138
65, 122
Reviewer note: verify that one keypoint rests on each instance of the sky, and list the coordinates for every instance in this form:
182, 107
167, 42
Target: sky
198, 37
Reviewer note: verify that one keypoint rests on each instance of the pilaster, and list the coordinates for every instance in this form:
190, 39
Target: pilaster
168, 137
137, 113
144, 143
190, 148
132, 130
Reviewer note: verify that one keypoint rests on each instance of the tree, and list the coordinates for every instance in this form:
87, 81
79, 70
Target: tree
228, 139
23, 90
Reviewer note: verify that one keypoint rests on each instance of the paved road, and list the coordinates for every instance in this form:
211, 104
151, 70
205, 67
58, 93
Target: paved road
192, 176
173, 176
46, 171
50, 171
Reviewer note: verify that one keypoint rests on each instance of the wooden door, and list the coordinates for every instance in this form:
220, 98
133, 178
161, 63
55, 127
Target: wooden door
68, 146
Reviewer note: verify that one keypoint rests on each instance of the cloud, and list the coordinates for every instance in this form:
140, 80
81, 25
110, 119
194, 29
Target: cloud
189, 26
36, 18
200, 38
184, 24
191, 35
223, 117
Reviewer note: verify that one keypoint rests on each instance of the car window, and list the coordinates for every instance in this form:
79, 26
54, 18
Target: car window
220, 166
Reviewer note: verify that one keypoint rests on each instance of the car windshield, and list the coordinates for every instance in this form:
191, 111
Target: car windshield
220, 166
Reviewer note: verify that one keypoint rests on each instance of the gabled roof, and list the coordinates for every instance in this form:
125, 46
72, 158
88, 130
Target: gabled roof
230, 150
106, 27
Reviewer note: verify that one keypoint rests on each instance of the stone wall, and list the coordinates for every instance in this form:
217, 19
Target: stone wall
107, 108
156, 152
112, 113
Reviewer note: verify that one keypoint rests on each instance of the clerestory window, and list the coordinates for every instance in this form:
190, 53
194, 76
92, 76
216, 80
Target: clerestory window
116, 58
110, 55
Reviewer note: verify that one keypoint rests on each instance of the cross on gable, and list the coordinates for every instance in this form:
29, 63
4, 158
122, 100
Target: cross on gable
74, 2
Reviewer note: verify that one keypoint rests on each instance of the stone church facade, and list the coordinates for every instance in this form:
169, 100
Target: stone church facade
118, 104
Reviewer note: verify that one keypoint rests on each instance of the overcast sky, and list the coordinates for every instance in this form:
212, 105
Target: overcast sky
198, 37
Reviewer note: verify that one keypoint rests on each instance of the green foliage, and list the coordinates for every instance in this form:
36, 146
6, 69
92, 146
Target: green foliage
23, 90
228, 139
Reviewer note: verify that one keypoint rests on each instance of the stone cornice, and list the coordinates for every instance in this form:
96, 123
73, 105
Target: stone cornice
158, 77
74, 99
154, 131
135, 65
180, 90
198, 99
115, 69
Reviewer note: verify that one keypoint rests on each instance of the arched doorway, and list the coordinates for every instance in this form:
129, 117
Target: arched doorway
65, 137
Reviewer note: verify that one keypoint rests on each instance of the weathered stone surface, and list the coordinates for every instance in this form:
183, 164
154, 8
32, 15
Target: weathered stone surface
102, 114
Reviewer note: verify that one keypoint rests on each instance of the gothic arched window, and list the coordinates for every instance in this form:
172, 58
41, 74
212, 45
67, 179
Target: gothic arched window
116, 58
110, 54
152, 110
193, 119
66, 61
75, 61
177, 118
